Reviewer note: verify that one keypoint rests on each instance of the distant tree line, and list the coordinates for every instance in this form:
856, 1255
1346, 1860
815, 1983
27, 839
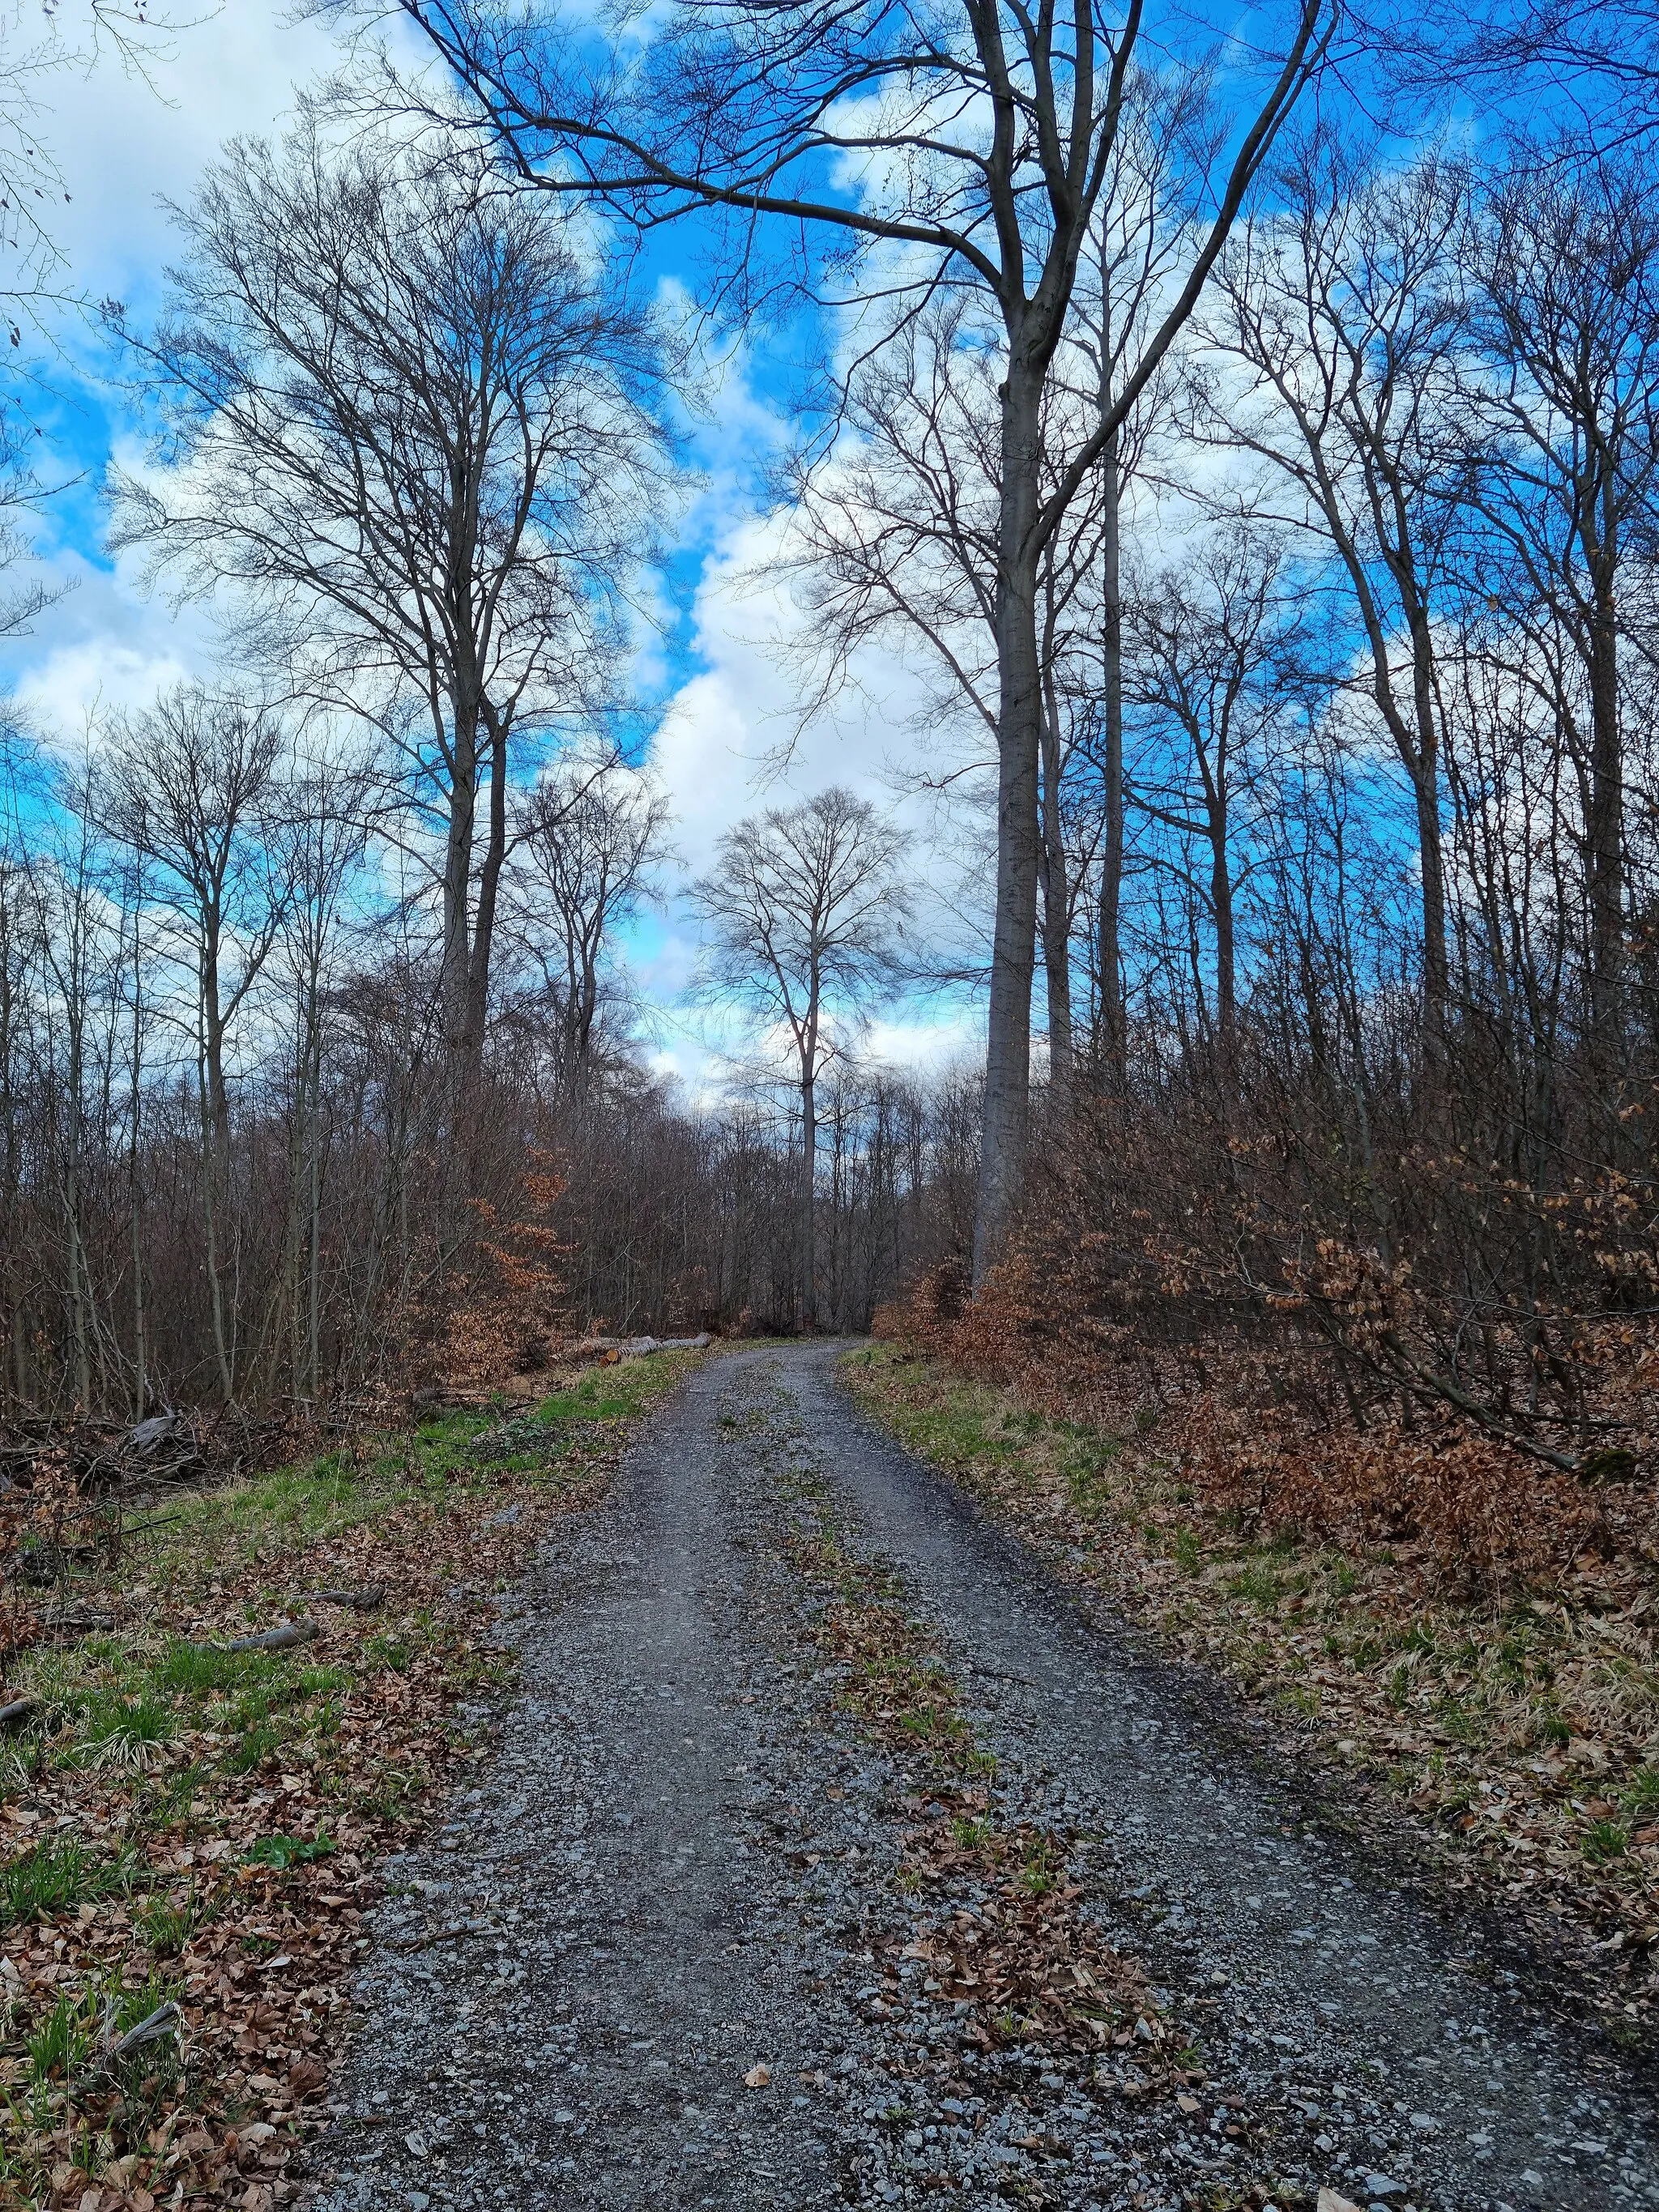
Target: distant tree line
239, 1160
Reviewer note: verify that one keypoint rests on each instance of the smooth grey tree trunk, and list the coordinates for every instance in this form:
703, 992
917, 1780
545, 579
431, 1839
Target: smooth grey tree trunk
1113, 1025
1005, 1126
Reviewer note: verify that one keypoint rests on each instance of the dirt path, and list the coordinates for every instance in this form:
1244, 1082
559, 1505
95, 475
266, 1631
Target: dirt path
679, 1869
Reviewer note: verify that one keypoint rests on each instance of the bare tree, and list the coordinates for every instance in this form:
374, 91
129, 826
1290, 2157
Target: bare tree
419, 437
320, 845
192, 786
1345, 310
895, 539
1566, 254
804, 914
958, 151
586, 839
38, 47
1211, 643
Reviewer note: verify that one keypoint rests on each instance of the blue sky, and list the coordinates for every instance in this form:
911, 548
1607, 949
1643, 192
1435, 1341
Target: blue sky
125, 148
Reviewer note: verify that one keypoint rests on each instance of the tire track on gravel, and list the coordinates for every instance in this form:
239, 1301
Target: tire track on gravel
671, 1872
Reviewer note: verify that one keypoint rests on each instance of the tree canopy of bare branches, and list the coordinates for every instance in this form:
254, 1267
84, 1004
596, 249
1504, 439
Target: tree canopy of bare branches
417, 437
806, 911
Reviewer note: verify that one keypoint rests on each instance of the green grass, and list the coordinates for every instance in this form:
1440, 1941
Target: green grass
1605, 1840
115, 1729
1258, 1584
67, 2039
63, 2043
166, 1927
1187, 1551
1043, 1867
280, 1852
55, 1877
329, 1496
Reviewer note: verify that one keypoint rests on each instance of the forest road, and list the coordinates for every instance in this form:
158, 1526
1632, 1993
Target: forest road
678, 1869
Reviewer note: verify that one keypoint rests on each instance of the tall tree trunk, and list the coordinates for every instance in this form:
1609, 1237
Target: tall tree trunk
1056, 894
1425, 772
135, 1186
1606, 828
457, 879
1226, 965
1113, 1027
215, 1159
314, 1256
489, 878
1006, 1123
809, 1180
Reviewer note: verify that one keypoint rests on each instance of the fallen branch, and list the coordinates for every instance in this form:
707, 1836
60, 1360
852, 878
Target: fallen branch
13, 1715
163, 2021
369, 1599
77, 1621
274, 1639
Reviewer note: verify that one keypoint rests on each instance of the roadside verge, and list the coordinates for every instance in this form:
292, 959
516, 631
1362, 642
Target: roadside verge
1516, 1740
219, 1736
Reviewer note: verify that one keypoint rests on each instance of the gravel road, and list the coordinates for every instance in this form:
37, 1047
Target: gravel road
637, 1963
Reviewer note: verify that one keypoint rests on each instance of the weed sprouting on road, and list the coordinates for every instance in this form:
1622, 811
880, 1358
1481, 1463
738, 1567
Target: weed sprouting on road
1001, 1928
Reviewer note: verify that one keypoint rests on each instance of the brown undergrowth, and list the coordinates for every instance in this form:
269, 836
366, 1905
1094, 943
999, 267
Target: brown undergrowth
1001, 1933
190, 1834
1513, 1725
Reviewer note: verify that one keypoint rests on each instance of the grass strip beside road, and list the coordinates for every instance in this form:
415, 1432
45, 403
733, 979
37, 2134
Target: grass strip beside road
1518, 1738
191, 1827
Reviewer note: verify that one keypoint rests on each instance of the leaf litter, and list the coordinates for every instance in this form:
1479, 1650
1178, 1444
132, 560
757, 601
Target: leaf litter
191, 1833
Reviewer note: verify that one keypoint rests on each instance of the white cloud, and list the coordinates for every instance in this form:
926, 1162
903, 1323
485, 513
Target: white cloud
126, 145
126, 149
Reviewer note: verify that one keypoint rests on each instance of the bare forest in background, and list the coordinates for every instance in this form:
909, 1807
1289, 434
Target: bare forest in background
1287, 617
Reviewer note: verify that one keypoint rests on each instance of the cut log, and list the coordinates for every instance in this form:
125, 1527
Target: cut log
156, 1431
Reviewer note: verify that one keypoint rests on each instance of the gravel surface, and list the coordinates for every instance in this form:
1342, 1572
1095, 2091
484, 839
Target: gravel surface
640, 1962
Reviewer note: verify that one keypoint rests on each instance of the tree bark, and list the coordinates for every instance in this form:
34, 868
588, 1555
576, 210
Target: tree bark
1226, 965
1005, 1125
1055, 882
490, 879
809, 1179
458, 878
1113, 1026
1606, 825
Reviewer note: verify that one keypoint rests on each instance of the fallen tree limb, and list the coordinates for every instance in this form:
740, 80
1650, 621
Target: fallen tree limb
369, 1599
164, 2020
274, 1639
13, 1715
